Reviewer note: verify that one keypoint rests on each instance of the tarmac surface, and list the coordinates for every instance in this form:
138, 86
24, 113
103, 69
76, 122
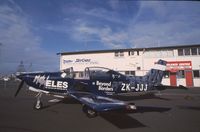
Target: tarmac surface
169, 111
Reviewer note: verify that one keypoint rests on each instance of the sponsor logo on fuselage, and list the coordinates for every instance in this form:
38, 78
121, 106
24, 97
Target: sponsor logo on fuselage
104, 86
50, 84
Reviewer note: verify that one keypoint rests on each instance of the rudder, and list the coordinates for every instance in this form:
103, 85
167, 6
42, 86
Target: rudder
155, 75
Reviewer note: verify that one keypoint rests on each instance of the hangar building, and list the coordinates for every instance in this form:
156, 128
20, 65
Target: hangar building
183, 62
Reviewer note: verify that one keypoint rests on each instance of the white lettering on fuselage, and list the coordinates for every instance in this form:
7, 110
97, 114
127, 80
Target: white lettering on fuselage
40, 80
139, 87
50, 84
104, 86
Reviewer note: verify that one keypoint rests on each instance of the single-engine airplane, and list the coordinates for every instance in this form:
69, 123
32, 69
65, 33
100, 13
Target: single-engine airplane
95, 89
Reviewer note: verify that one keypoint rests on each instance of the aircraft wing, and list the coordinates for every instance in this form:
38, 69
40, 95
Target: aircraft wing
98, 103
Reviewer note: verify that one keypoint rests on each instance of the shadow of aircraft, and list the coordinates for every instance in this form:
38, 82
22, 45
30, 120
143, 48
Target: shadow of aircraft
122, 120
144, 109
69, 100
119, 118
189, 108
139, 97
66, 100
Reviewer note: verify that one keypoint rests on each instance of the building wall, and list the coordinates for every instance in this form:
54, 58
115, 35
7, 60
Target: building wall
138, 61
121, 63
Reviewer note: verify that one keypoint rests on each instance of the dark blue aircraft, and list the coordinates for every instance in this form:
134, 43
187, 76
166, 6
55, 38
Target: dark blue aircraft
95, 89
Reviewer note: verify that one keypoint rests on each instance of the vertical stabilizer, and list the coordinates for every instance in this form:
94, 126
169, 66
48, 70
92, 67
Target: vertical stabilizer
155, 75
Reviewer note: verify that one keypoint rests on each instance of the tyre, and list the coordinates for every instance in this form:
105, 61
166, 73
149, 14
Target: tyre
89, 111
38, 105
131, 106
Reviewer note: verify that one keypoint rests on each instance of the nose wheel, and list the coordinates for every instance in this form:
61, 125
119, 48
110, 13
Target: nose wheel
38, 104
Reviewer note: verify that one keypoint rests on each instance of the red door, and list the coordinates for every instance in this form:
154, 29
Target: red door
173, 81
188, 78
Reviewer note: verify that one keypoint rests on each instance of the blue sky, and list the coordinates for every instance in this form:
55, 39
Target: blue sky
35, 30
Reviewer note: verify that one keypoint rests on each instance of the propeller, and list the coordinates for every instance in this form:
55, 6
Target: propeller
19, 88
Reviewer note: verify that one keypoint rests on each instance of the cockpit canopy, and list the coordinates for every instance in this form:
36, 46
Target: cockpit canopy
102, 73
68, 73
93, 73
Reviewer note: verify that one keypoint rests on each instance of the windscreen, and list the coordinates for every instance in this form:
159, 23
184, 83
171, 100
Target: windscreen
68, 73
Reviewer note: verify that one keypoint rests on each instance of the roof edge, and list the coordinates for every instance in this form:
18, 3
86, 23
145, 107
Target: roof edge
126, 49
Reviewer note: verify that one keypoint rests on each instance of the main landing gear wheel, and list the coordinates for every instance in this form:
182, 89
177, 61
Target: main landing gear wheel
131, 106
89, 111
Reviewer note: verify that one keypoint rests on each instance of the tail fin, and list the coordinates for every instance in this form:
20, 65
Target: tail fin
155, 75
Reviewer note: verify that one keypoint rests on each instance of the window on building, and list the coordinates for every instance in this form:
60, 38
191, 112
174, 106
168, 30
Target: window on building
199, 51
194, 51
119, 54
126, 72
138, 52
187, 51
196, 73
181, 74
138, 68
116, 54
80, 74
130, 53
131, 73
166, 74
180, 52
